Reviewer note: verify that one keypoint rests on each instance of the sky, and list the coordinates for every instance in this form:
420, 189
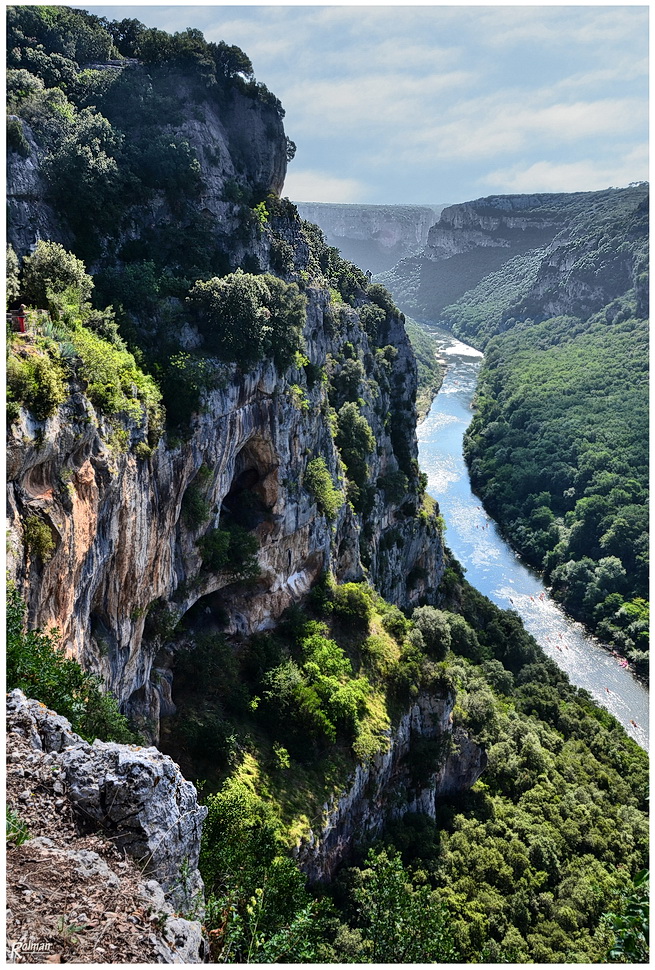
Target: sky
435, 103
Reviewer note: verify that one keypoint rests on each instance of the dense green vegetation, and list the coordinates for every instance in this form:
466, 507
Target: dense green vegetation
535, 864
106, 103
429, 371
558, 450
74, 342
109, 148
231, 548
481, 313
37, 665
245, 318
319, 482
103, 125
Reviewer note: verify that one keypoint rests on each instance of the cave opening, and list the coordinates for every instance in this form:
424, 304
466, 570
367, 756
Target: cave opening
209, 614
254, 488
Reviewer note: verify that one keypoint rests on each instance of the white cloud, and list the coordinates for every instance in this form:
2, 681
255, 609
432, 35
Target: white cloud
558, 26
585, 175
501, 124
627, 69
393, 102
314, 186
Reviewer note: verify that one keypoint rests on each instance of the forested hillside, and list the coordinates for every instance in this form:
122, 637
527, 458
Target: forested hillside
558, 448
478, 239
214, 499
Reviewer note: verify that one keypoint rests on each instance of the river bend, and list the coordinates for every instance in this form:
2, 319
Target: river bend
494, 568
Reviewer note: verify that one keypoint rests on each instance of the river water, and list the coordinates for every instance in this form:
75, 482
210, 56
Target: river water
492, 566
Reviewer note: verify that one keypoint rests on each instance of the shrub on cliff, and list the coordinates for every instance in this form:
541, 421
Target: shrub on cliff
258, 910
435, 630
52, 270
231, 548
245, 318
319, 482
38, 667
381, 296
355, 440
353, 603
37, 382
114, 381
38, 538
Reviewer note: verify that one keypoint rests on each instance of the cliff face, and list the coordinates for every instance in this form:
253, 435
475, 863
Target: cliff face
124, 548
592, 262
471, 225
373, 236
238, 143
424, 761
127, 563
569, 232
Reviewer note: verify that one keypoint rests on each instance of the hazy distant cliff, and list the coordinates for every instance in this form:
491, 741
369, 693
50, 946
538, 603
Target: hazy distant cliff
373, 237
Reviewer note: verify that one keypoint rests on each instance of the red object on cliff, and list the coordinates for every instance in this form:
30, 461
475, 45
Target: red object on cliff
19, 319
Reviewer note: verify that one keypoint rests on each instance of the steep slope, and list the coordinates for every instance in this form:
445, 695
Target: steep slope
599, 255
113, 494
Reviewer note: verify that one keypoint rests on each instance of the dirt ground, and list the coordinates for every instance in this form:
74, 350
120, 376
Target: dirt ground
71, 897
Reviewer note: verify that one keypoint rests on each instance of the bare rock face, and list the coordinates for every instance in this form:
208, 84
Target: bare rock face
373, 236
44, 730
513, 223
137, 796
29, 216
150, 810
424, 760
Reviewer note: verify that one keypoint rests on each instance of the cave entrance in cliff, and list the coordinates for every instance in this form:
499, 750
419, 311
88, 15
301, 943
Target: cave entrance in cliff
254, 488
209, 614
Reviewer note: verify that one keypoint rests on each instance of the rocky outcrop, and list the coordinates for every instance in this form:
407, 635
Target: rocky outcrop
424, 761
136, 796
86, 901
592, 262
374, 237
142, 801
238, 141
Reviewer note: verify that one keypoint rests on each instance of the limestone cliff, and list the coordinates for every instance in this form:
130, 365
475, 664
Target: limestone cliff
424, 761
511, 223
474, 239
374, 237
124, 548
113, 493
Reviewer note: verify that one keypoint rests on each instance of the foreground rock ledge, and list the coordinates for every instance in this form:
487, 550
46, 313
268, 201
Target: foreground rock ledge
136, 796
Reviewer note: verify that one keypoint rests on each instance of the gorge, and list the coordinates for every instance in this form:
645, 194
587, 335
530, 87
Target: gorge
216, 499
